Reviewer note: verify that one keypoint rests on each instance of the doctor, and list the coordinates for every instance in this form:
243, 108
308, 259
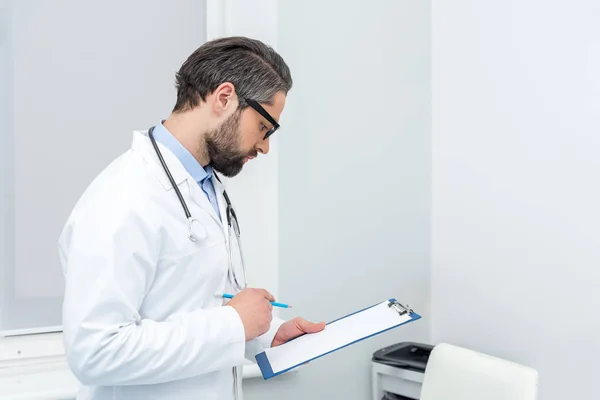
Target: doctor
155, 237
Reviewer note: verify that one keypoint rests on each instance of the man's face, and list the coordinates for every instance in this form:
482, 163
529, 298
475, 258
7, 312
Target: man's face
241, 137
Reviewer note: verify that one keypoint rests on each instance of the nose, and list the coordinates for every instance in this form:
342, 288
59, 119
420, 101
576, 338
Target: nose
263, 146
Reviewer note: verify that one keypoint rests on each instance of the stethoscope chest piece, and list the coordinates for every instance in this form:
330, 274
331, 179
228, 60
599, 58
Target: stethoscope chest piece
195, 230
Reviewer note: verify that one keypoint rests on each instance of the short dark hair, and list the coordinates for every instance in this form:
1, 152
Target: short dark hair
255, 69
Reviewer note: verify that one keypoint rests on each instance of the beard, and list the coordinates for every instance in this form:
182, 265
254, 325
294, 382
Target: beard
223, 147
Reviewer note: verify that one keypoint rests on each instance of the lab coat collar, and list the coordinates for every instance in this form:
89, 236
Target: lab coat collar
220, 188
142, 144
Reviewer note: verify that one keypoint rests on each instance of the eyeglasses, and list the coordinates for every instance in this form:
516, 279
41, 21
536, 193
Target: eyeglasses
259, 109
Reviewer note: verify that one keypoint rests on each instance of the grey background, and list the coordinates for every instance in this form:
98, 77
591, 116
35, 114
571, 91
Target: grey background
516, 216
354, 178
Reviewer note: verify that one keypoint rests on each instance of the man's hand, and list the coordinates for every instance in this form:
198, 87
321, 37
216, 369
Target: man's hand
255, 309
294, 328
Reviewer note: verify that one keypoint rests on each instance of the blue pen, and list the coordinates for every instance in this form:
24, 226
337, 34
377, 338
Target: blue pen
274, 303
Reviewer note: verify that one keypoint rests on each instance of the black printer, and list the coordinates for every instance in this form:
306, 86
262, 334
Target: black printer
406, 355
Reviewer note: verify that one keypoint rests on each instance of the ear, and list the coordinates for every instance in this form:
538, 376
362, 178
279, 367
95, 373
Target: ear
224, 98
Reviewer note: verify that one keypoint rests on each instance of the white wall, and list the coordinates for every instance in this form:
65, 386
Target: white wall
254, 191
6, 159
354, 178
80, 77
515, 215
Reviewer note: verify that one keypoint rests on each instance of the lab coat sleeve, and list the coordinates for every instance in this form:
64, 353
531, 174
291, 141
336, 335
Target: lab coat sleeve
264, 341
109, 265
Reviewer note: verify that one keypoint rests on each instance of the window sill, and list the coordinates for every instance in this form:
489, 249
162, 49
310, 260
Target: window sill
33, 366
51, 378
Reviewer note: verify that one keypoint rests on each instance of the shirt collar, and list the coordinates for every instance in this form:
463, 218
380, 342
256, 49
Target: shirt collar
191, 165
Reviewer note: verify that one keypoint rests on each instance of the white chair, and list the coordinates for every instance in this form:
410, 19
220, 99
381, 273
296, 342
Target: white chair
455, 373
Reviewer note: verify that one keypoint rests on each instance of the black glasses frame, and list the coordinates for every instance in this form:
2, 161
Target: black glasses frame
259, 109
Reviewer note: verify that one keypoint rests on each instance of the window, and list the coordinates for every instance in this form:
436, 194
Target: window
80, 78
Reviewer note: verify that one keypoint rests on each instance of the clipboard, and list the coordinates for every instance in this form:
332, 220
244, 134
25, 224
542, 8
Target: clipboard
340, 333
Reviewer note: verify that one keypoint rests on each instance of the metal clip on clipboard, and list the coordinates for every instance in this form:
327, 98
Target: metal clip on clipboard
401, 309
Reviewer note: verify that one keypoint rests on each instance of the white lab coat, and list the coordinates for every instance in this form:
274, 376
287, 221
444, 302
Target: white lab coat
140, 316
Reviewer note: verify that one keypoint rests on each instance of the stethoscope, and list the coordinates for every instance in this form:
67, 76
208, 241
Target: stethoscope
232, 221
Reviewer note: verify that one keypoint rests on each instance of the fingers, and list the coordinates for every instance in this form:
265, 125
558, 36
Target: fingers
309, 327
261, 292
318, 327
267, 295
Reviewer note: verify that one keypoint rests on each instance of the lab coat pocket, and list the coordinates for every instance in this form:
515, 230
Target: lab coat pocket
183, 238
187, 283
